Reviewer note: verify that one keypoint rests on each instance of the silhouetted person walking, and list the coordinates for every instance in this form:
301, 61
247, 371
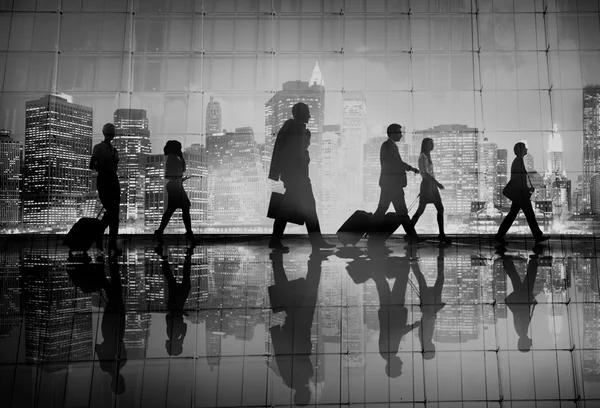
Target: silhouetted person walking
392, 313
105, 160
292, 343
178, 295
429, 192
392, 181
176, 195
111, 353
431, 304
290, 164
521, 301
519, 191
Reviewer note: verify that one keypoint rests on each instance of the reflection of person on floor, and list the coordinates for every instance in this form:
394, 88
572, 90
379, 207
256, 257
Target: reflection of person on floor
521, 301
431, 304
292, 343
111, 353
393, 315
178, 294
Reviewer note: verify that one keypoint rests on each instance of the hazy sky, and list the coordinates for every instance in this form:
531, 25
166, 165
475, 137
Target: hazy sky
180, 60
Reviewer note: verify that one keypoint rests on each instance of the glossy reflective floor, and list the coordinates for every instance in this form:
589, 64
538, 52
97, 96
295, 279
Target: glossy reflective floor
231, 324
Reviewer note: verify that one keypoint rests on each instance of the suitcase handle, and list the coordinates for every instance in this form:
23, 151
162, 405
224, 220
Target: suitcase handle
101, 209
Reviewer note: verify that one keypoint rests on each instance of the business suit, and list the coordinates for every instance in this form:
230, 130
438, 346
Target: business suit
290, 164
519, 180
392, 181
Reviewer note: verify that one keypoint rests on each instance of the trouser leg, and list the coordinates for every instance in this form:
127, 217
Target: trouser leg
509, 219
530, 217
402, 213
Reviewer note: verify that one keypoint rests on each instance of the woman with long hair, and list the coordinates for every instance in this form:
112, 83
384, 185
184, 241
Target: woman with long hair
519, 191
177, 197
429, 192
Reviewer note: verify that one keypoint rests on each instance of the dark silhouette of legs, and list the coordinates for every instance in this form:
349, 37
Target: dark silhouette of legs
166, 218
396, 197
420, 211
530, 216
509, 219
110, 197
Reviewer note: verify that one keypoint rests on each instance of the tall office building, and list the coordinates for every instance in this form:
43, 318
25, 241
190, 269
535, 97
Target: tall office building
488, 175
371, 171
213, 117
557, 187
591, 140
11, 153
455, 159
332, 173
154, 202
58, 316
354, 135
501, 177
132, 140
197, 186
237, 187
58, 145
555, 153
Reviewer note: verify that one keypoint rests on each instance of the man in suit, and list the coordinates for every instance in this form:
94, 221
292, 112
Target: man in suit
105, 159
290, 164
392, 180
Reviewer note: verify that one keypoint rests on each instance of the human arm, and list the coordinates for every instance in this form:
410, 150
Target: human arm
424, 169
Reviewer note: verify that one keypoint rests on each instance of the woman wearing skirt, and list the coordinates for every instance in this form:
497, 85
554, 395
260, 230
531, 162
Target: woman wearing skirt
429, 192
177, 197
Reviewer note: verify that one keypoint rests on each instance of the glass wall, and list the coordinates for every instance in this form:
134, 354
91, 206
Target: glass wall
476, 76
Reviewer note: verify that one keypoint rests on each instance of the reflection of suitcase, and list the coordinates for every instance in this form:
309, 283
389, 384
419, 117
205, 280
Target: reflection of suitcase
83, 234
383, 228
355, 227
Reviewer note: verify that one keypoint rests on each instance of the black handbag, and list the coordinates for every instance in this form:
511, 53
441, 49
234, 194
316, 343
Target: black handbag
514, 193
281, 208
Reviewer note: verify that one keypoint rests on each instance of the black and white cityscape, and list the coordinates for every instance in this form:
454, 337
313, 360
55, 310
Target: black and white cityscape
222, 76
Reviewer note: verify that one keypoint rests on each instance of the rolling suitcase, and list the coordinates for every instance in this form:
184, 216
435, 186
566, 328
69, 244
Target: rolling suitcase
383, 228
355, 227
83, 234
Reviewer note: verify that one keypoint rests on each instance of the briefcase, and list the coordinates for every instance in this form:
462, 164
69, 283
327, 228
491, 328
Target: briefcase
282, 209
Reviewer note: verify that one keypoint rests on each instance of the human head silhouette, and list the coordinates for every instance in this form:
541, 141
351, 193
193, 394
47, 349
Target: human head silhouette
174, 348
108, 130
172, 146
301, 112
394, 132
426, 145
520, 149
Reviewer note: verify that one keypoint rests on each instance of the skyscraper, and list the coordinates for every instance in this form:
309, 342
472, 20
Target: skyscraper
213, 117
488, 155
371, 171
11, 154
354, 134
58, 145
154, 202
329, 205
132, 140
455, 159
237, 186
591, 141
501, 177
555, 153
